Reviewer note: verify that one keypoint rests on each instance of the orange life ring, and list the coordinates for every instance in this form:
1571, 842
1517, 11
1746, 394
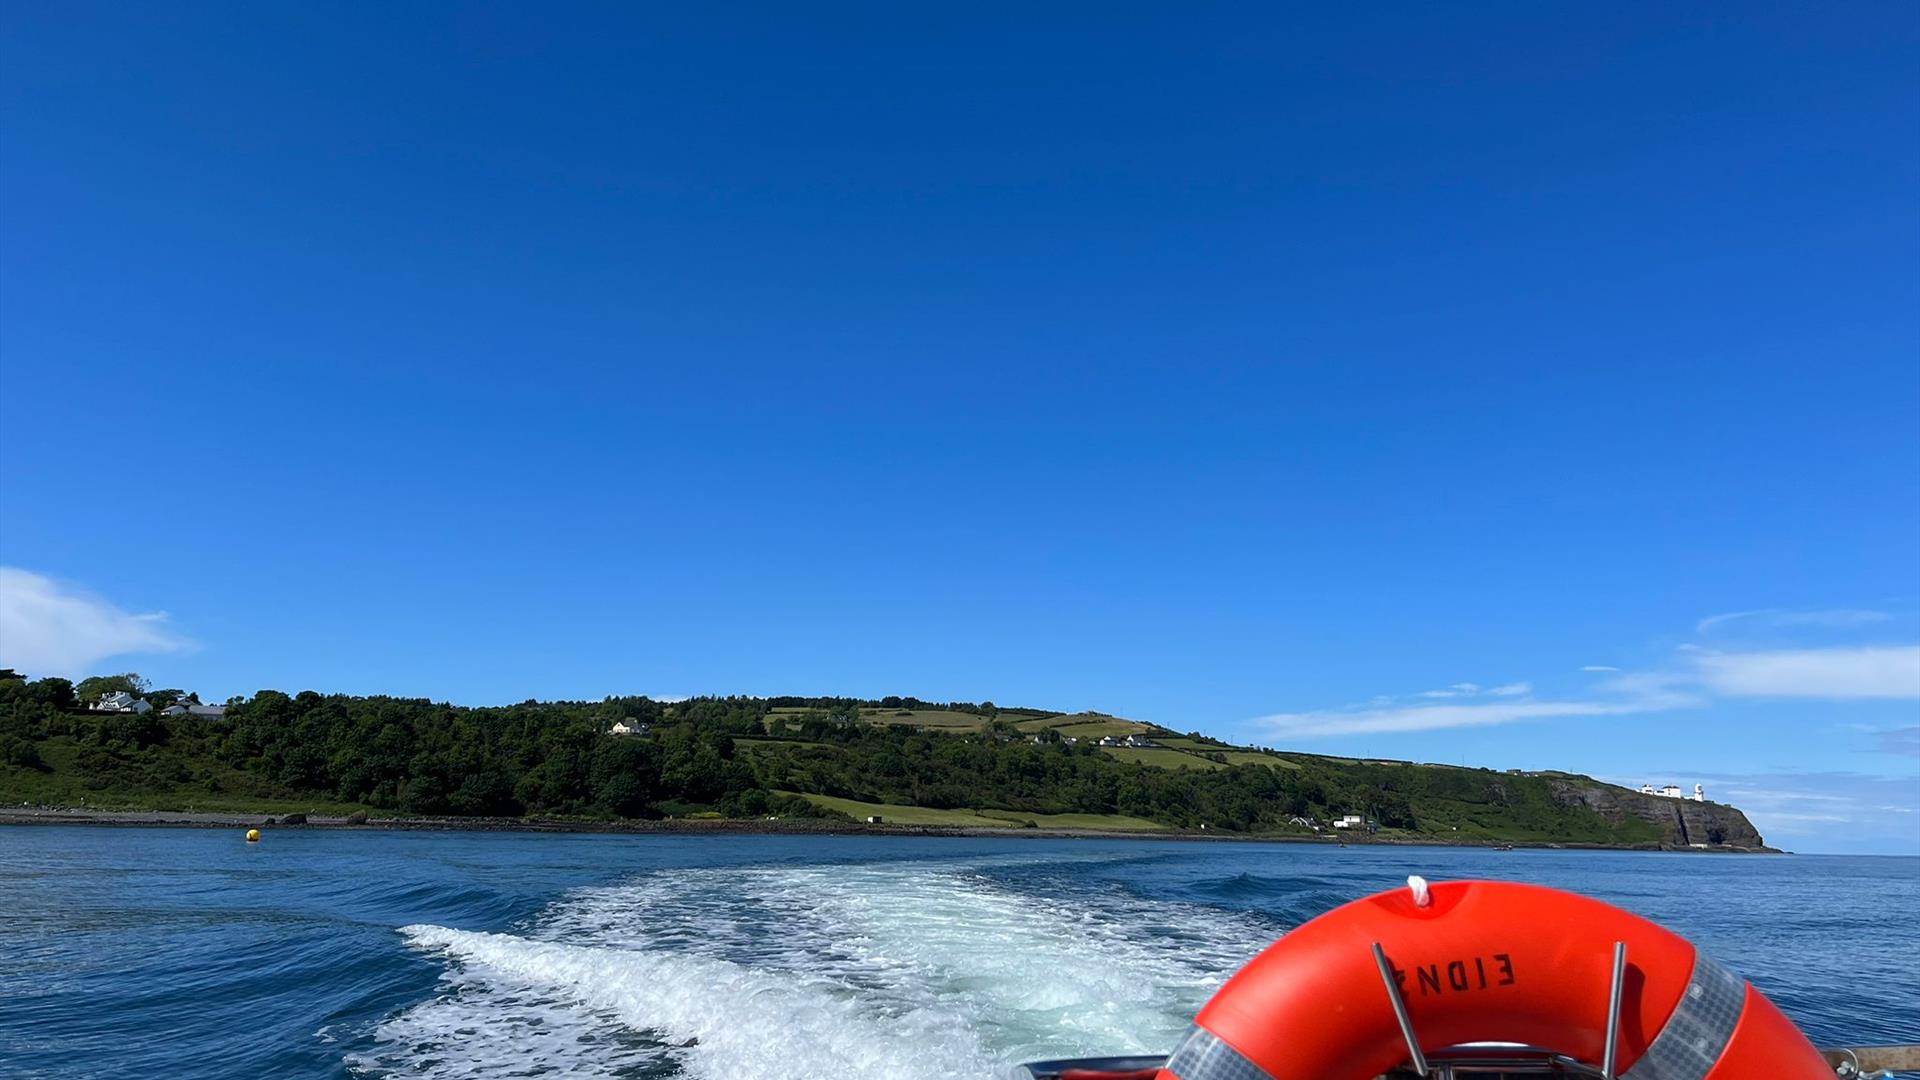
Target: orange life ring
1485, 961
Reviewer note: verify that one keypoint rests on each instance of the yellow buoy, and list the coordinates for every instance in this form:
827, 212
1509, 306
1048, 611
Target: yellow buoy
253, 836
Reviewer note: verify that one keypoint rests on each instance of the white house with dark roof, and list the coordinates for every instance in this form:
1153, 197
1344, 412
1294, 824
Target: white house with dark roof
121, 701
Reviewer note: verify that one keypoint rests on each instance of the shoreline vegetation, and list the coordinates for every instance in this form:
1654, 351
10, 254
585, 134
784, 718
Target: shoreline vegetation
181, 819
114, 750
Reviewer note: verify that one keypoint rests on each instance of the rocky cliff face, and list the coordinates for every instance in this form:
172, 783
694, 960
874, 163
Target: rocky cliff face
1683, 823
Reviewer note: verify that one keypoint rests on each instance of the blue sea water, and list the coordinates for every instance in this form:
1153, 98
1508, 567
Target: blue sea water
189, 953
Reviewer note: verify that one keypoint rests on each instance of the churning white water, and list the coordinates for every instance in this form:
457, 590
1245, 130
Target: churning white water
913, 971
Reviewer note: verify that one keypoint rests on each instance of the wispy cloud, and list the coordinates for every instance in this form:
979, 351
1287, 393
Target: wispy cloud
1837, 674
51, 628
1834, 810
1903, 741
1781, 617
1696, 677
1420, 717
1856, 672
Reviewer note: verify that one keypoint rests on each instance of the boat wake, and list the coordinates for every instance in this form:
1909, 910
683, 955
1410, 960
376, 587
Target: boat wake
915, 971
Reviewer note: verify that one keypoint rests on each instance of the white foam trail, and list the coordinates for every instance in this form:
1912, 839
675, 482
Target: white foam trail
489, 1026
740, 1022
903, 971
1100, 972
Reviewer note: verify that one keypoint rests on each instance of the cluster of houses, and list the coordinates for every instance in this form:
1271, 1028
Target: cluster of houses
1672, 791
622, 727
122, 702
1138, 742
1345, 821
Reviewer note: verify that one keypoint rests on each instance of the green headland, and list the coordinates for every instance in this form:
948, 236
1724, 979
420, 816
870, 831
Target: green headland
903, 761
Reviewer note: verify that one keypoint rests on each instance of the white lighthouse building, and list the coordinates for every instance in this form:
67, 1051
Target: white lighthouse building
1672, 791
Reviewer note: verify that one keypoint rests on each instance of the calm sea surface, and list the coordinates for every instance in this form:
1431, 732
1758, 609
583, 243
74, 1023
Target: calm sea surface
188, 953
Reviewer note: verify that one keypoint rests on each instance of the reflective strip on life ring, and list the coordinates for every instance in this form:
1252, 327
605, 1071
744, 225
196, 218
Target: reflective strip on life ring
1202, 1055
1487, 962
1697, 1032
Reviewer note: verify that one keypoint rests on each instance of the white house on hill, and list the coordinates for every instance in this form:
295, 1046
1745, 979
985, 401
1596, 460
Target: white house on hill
121, 701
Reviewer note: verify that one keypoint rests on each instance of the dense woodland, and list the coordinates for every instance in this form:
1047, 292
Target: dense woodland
732, 756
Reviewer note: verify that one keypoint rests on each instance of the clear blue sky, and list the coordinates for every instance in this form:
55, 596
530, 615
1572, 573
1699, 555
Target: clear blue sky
1268, 372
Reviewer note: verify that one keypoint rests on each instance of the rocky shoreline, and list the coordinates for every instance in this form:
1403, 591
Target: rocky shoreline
746, 826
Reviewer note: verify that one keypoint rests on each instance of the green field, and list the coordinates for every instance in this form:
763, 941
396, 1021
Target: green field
1099, 729
1165, 759
892, 814
1181, 742
933, 719
1233, 755
1255, 757
946, 720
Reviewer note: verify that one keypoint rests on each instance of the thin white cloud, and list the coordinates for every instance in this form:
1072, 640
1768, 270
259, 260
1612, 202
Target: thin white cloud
1655, 689
1511, 703
1882, 671
50, 628
1459, 689
1437, 717
1780, 617
1771, 796
1784, 821
1696, 678
1831, 810
1854, 672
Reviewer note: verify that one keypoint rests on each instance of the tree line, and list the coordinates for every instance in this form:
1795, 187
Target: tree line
735, 756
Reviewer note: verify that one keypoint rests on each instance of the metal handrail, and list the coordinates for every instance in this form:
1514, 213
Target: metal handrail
1611, 1054
1849, 1062
1400, 1010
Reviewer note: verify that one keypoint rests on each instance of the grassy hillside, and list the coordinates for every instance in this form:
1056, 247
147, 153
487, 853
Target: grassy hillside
905, 760
898, 814
1160, 758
